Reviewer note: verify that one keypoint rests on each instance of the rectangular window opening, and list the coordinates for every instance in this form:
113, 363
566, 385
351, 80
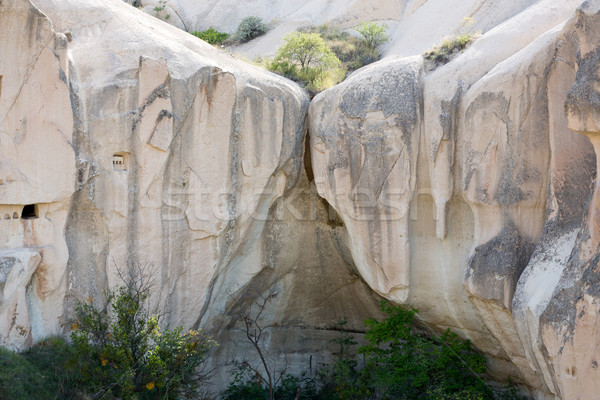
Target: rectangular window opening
30, 211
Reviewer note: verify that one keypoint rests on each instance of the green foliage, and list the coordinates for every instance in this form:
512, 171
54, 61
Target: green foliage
448, 48
247, 385
126, 355
306, 58
397, 364
250, 28
374, 34
211, 36
319, 57
40, 372
159, 10
308, 50
342, 379
403, 365
352, 51
284, 68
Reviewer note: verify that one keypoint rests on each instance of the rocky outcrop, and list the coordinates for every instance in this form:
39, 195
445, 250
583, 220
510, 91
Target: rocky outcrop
493, 190
149, 149
463, 191
364, 136
164, 153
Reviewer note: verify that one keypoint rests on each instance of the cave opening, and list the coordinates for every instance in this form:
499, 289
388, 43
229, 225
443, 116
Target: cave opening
30, 211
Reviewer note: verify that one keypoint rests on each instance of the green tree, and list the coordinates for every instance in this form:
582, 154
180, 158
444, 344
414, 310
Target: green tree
308, 50
319, 66
374, 34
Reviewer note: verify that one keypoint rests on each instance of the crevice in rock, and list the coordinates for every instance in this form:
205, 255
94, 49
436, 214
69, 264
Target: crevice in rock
307, 155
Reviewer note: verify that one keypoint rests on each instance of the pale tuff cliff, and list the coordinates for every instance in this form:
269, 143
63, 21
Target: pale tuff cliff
466, 192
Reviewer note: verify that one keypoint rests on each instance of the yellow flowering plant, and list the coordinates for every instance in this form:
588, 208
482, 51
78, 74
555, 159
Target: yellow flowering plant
122, 352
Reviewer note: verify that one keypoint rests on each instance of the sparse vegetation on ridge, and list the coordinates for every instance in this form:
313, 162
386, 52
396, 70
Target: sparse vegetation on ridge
159, 10
211, 36
306, 58
374, 34
250, 28
450, 47
319, 57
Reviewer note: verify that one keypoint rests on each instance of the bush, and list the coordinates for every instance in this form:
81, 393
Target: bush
374, 34
319, 68
250, 28
126, 355
211, 36
352, 51
443, 53
342, 379
246, 385
284, 68
403, 365
400, 364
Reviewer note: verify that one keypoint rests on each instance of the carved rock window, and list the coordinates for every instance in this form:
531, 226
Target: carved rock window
30, 211
120, 161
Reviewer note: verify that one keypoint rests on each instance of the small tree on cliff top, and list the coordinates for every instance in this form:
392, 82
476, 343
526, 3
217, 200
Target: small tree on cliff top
319, 66
308, 50
374, 34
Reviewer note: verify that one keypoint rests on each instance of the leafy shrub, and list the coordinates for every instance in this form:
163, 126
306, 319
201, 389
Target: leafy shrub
250, 28
126, 355
374, 34
319, 67
246, 385
443, 53
284, 68
343, 379
211, 36
404, 365
400, 364
352, 51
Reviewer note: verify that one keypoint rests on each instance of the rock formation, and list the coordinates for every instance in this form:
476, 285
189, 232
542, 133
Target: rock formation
493, 190
464, 191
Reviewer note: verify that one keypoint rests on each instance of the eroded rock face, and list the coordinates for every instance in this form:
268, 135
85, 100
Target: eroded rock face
464, 192
495, 189
37, 169
567, 339
127, 142
128, 156
364, 136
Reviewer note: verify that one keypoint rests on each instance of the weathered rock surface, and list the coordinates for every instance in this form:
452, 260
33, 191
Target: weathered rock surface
494, 189
127, 141
465, 192
414, 25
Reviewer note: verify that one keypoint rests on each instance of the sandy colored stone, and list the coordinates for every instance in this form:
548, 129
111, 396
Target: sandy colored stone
463, 191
